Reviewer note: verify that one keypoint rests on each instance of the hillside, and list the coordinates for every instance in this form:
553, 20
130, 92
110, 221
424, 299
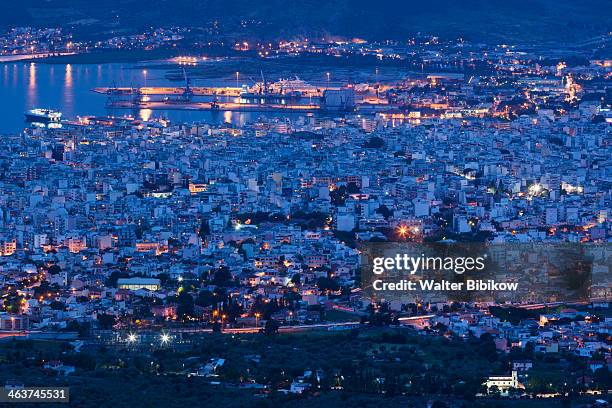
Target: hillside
477, 20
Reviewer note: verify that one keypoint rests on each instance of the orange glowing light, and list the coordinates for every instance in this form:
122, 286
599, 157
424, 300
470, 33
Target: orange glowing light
402, 230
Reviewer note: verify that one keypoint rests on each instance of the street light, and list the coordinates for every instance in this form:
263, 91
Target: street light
144, 72
237, 76
402, 231
131, 338
328, 75
257, 315
165, 338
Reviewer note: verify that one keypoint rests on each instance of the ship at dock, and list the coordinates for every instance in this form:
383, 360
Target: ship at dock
285, 87
44, 116
291, 95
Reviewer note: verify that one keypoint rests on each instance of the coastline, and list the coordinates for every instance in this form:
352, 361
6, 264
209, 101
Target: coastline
108, 57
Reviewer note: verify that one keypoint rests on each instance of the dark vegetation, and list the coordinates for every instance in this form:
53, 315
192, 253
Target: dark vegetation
351, 364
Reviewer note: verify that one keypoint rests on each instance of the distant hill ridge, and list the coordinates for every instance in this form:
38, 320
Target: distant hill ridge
476, 20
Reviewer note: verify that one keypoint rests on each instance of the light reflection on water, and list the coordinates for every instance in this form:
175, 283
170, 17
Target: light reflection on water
67, 88
32, 84
68, 100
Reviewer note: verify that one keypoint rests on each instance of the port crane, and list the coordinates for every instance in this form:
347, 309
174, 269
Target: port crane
187, 93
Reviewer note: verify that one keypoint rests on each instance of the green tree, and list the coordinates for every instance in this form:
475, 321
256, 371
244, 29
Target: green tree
184, 304
106, 321
271, 327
